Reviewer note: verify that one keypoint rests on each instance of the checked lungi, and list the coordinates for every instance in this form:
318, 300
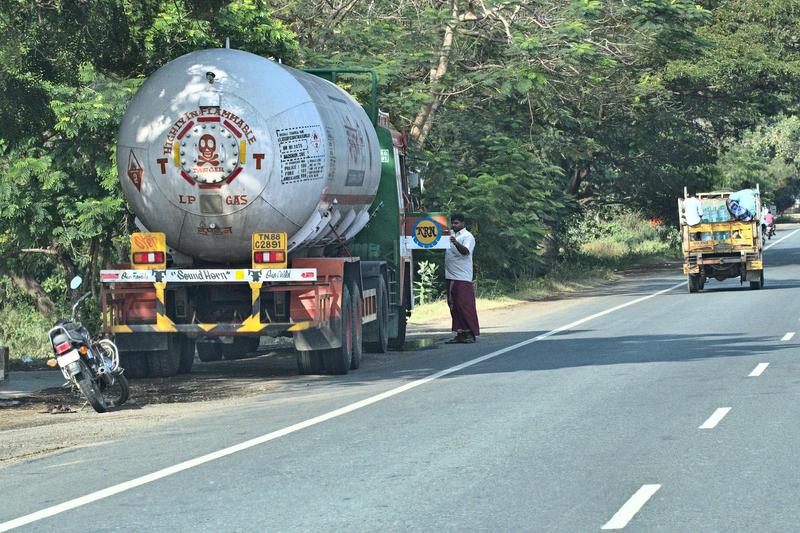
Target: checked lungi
461, 300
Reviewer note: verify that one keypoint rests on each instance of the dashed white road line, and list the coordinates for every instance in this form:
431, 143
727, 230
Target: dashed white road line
758, 370
631, 507
788, 336
714, 419
224, 452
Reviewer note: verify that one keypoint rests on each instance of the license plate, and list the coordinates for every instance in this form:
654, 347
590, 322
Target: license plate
67, 358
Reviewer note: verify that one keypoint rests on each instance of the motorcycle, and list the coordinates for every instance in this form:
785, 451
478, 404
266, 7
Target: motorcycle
92, 367
767, 232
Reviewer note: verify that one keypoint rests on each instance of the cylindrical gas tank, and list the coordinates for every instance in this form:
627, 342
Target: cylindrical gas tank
221, 143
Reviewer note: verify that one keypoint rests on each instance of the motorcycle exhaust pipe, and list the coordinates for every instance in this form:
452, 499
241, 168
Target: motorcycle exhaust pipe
104, 374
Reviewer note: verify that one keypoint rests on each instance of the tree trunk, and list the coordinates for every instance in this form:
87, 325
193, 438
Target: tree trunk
578, 176
424, 119
43, 302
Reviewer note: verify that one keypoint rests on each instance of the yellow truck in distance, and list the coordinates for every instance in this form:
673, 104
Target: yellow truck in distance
720, 247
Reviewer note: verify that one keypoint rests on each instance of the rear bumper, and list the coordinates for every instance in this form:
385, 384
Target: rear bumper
216, 330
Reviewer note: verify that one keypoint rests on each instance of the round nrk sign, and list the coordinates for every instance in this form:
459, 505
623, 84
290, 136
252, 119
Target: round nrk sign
427, 232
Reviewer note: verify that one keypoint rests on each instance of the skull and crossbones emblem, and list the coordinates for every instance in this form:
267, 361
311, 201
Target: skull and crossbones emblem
208, 150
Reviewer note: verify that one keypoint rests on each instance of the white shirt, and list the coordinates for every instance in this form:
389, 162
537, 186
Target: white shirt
693, 211
456, 266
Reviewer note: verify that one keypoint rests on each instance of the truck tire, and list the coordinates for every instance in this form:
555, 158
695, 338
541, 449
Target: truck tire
309, 362
338, 360
134, 363
756, 285
694, 283
357, 311
209, 351
380, 327
241, 348
165, 363
187, 355
398, 342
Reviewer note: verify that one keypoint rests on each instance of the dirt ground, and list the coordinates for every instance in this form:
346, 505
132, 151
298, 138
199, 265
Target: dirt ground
58, 418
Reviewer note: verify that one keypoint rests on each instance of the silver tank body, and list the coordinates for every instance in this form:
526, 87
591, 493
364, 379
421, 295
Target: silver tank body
261, 148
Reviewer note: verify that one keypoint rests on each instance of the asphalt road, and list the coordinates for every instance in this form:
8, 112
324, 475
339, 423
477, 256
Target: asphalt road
641, 407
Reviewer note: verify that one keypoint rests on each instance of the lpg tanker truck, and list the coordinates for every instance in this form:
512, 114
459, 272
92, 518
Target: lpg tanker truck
270, 203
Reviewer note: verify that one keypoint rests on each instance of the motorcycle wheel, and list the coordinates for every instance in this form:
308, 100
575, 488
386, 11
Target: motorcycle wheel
90, 390
117, 394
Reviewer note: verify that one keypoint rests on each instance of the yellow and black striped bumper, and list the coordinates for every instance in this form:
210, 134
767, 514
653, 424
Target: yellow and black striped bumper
252, 326
215, 330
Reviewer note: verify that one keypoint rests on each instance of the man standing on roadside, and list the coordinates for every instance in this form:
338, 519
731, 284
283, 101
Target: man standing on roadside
458, 276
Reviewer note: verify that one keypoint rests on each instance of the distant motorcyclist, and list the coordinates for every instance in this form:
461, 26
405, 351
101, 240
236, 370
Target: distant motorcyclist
768, 224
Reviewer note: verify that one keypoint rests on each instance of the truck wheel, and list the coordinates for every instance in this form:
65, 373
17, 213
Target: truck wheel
380, 327
187, 355
309, 362
398, 342
241, 348
337, 360
357, 310
694, 282
209, 351
134, 363
758, 284
165, 363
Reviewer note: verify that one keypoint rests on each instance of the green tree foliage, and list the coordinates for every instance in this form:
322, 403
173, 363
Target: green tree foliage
67, 70
768, 155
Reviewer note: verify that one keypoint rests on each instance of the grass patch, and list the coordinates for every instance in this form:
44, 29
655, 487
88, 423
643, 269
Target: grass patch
24, 330
596, 250
437, 310
788, 218
494, 295
561, 282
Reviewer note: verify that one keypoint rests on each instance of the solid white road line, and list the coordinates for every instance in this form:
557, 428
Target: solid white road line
758, 370
631, 507
164, 472
788, 336
714, 419
781, 239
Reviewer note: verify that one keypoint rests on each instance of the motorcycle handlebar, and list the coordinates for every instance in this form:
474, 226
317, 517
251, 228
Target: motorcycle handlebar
75, 306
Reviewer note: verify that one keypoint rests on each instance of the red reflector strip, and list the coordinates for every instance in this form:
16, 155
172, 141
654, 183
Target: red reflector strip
63, 347
269, 257
148, 258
